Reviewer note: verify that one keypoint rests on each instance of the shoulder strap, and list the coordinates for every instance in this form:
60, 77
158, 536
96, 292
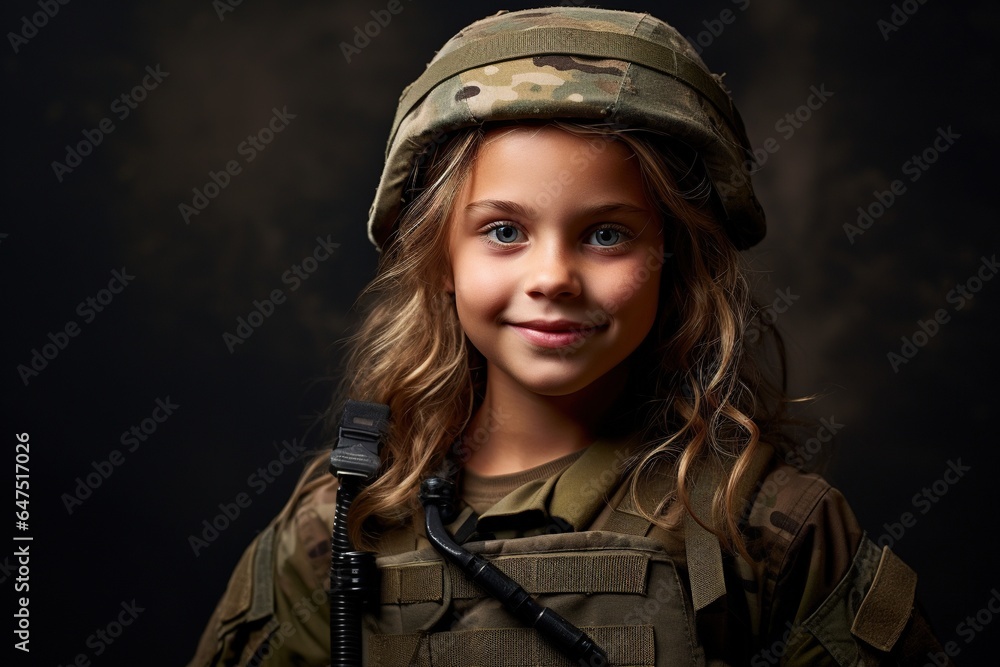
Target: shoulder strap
703, 552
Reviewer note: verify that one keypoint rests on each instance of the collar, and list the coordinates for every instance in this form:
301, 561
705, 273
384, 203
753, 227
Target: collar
574, 496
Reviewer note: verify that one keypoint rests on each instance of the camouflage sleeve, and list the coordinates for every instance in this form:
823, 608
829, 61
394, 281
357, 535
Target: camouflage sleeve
832, 597
275, 610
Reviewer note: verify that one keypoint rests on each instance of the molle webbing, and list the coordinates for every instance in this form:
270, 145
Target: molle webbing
627, 646
588, 573
574, 42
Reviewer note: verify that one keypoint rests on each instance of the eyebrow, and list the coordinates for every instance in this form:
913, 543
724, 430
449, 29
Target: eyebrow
504, 205
515, 208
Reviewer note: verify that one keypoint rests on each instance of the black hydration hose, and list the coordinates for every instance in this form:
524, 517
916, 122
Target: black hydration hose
353, 574
437, 496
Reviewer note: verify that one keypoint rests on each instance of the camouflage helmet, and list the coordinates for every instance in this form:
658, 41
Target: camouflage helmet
623, 68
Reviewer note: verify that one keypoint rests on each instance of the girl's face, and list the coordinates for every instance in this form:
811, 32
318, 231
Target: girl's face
555, 255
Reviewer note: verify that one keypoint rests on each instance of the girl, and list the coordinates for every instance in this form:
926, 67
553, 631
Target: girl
561, 323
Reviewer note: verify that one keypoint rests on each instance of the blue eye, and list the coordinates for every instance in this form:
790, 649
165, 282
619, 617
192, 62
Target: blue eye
606, 236
503, 234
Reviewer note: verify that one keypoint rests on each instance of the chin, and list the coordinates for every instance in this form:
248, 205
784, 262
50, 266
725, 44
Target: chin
560, 383
556, 388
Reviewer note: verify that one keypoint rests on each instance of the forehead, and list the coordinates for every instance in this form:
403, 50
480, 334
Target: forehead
553, 168
532, 139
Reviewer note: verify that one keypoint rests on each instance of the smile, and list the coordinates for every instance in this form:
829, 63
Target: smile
555, 334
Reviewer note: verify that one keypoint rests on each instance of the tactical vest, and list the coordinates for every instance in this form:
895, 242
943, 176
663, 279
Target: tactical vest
614, 581
620, 582
622, 588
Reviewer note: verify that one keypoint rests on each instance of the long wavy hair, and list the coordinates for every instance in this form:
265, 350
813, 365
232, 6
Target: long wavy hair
703, 395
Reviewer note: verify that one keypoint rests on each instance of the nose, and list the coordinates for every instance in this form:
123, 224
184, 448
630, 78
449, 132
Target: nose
553, 272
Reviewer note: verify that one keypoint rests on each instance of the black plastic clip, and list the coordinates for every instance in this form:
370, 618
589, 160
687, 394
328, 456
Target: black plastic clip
362, 427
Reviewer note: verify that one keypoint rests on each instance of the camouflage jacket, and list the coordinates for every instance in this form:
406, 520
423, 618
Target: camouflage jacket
817, 591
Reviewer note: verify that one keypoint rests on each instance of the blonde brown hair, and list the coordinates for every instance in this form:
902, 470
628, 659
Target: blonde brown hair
705, 398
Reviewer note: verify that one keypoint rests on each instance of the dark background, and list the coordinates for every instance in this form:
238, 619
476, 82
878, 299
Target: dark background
162, 336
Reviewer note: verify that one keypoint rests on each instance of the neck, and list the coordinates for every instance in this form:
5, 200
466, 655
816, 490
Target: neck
515, 429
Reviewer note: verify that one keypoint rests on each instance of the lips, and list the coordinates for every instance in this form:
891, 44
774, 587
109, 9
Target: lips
555, 333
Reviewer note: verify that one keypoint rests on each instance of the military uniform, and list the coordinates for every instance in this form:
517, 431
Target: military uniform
818, 592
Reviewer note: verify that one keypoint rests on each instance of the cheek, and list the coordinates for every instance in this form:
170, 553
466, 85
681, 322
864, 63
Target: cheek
477, 309
480, 291
632, 294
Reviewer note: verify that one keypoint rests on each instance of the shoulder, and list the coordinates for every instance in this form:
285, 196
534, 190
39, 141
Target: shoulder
826, 593
795, 514
274, 606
